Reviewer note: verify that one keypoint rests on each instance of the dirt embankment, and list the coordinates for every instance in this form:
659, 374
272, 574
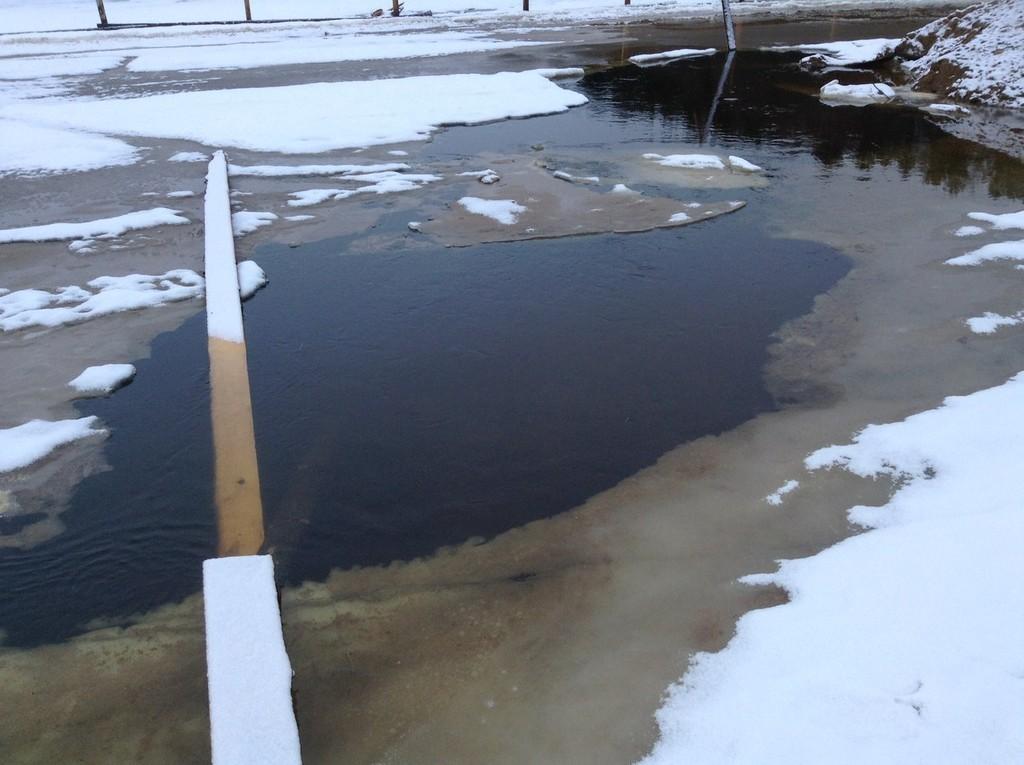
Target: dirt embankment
971, 55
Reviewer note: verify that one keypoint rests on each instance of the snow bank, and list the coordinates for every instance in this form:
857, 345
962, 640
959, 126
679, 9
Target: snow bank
902, 645
504, 211
104, 228
972, 55
245, 222
22, 445
856, 95
995, 251
103, 378
669, 55
109, 294
251, 279
223, 306
690, 161
248, 672
314, 117
28, 149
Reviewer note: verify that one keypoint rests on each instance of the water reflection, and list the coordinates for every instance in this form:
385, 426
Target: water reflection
763, 105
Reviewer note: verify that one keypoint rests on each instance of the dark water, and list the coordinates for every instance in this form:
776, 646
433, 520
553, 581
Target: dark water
415, 398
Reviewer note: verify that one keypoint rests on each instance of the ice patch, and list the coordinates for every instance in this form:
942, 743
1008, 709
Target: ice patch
398, 153
856, 95
669, 55
775, 498
621, 188
184, 194
245, 222
995, 251
22, 445
688, 161
251, 279
504, 211
107, 294
103, 378
299, 217
104, 228
678, 217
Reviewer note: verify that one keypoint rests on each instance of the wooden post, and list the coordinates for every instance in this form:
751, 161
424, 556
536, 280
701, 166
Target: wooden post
248, 11
730, 33
627, 2
526, 5
395, 10
103, 13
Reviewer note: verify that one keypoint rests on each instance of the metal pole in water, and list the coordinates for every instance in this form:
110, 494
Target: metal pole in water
730, 33
526, 5
248, 11
103, 13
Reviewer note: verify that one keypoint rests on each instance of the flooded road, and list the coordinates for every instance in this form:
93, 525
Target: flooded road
587, 425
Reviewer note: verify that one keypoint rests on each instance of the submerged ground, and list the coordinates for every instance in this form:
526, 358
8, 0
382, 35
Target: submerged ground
587, 427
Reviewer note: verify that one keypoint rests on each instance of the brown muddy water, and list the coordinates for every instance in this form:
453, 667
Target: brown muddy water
509, 487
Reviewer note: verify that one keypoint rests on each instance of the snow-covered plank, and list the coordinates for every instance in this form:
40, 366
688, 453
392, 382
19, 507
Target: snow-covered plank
251, 717
223, 307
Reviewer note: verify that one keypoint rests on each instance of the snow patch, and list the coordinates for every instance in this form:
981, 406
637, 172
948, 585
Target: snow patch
313, 117
1000, 222
30, 149
738, 163
845, 52
297, 171
251, 279
376, 183
995, 251
969, 231
988, 323
670, 55
22, 445
689, 161
103, 378
245, 222
107, 294
104, 228
504, 211
189, 156
856, 95
775, 498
